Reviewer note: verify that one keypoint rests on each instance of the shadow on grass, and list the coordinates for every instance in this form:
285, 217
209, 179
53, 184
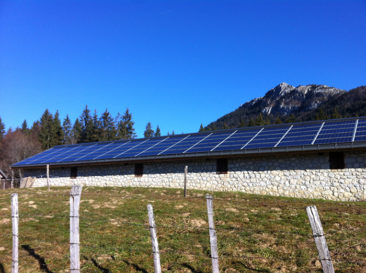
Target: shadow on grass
252, 269
42, 264
102, 269
135, 266
191, 268
2, 269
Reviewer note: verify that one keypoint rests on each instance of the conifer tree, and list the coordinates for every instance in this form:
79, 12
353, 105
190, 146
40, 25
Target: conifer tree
67, 128
58, 133
157, 131
108, 130
87, 126
2, 129
149, 132
46, 130
76, 132
125, 128
201, 128
96, 129
25, 129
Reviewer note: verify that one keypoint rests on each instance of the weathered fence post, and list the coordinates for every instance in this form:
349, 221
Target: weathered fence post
48, 176
75, 195
154, 239
185, 180
12, 179
213, 238
319, 237
15, 222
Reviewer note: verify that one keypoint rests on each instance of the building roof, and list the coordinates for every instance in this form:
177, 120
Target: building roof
331, 134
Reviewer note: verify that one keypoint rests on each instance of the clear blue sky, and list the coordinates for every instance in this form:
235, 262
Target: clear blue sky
174, 63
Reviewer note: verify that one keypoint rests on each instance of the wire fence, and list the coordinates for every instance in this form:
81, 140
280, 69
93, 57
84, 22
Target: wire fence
99, 243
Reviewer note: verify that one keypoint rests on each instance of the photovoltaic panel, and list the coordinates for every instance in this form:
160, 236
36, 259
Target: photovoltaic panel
75, 154
160, 147
210, 142
38, 157
63, 152
238, 140
140, 148
101, 149
185, 144
120, 149
361, 130
300, 134
268, 138
335, 132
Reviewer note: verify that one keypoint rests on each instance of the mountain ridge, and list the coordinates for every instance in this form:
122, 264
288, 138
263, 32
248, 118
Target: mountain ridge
286, 103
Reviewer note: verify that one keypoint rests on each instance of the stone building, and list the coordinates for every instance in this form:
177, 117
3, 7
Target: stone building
320, 159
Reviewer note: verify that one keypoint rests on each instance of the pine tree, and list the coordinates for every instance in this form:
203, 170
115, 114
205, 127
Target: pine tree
87, 126
76, 132
96, 129
67, 128
2, 129
25, 129
108, 130
46, 130
201, 128
149, 132
157, 131
125, 128
58, 133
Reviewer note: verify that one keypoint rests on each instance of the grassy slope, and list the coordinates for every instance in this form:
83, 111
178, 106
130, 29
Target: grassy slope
255, 233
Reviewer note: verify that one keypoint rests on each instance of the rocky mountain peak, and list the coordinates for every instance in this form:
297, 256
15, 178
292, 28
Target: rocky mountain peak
280, 102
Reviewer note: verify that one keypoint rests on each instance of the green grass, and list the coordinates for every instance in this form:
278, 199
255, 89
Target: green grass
255, 233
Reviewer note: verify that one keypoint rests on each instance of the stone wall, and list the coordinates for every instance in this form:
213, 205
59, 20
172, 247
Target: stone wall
306, 176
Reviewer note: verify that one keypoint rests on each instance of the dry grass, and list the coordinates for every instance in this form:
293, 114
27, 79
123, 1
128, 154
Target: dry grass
255, 233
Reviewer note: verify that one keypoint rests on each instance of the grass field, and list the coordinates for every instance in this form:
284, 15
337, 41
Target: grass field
255, 233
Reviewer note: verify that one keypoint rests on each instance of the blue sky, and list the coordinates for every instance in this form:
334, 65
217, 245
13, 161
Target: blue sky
174, 63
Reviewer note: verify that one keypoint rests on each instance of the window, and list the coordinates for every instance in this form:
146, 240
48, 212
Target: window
73, 172
221, 166
139, 170
336, 160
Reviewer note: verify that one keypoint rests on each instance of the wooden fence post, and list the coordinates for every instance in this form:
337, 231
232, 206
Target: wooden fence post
75, 195
48, 176
154, 239
185, 180
319, 237
12, 179
213, 238
15, 222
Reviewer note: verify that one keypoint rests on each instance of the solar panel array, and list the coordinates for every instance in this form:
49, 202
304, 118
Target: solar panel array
279, 136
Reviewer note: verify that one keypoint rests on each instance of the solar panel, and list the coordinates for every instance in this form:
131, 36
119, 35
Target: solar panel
160, 147
237, 140
335, 132
210, 142
273, 137
267, 138
186, 144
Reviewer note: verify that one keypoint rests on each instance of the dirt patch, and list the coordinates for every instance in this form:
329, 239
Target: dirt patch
198, 222
4, 221
232, 210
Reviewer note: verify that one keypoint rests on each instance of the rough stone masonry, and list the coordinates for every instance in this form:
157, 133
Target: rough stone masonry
303, 175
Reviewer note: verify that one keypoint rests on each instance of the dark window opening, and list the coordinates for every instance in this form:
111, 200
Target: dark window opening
73, 172
336, 160
139, 170
221, 166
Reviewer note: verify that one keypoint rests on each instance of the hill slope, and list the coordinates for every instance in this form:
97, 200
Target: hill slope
286, 103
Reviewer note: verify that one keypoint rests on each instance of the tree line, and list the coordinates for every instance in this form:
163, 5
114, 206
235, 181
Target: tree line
49, 131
